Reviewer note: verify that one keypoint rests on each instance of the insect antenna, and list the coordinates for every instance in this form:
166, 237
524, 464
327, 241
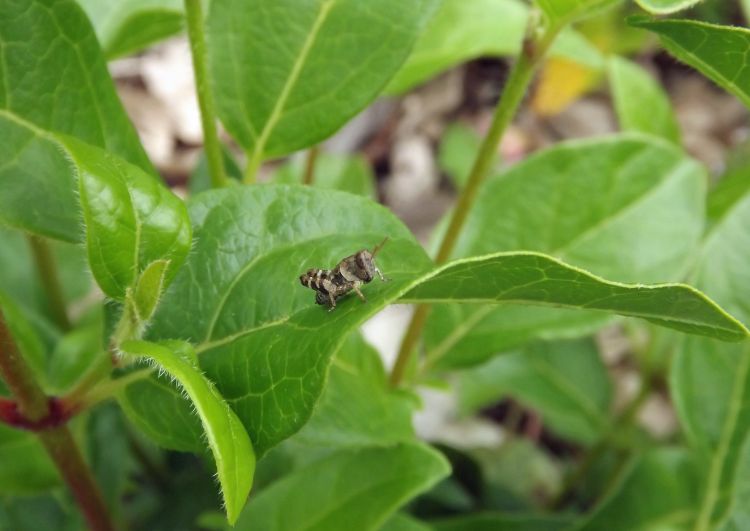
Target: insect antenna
379, 246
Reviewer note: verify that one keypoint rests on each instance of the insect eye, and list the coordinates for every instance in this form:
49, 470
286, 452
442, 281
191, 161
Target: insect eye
360, 259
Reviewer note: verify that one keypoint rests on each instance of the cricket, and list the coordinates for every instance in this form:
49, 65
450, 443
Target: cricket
348, 275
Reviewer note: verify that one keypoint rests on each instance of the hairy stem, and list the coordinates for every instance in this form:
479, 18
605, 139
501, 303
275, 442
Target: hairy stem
312, 157
534, 49
58, 442
65, 454
212, 146
47, 269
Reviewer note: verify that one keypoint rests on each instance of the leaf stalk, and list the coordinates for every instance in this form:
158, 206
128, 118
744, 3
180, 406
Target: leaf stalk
212, 146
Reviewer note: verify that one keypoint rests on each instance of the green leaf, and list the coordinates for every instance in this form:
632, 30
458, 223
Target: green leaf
467, 29
458, 150
131, 219
22, 284
38, 186
148, 289
627, 207
710, 381
200, 178
404, 522
506, 522
733, 185
325, 63
658, 492
54, 76
229, 443
462, 335
566, 382
27, 340
128, 26
358, 406
641, 104
561, 12
31, 513
534, 278
351, 174
665, 7
260, 335
349, 490
718, 52
73, 355
27, 469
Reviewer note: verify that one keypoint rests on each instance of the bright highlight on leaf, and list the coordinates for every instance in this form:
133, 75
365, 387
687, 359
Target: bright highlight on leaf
227, 438
131, 219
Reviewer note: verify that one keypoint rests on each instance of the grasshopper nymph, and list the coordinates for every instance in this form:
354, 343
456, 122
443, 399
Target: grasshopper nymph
348, 275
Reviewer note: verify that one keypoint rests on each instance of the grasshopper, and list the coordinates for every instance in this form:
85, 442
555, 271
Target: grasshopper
348, 275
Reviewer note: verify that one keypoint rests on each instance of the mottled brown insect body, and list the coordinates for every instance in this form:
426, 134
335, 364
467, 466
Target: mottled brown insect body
348, 275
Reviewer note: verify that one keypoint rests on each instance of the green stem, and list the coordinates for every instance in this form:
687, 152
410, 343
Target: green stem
34, 405
212, 146
312, 156
19, 377
65, 454
253, 163
109, 389
518, 82
47, 269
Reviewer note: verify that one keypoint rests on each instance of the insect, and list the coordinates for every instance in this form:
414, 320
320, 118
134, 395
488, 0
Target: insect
348, 275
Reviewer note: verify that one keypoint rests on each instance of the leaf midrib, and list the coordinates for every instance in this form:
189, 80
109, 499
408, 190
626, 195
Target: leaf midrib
291, 80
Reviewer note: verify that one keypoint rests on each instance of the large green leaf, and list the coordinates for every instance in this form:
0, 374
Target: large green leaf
37, 186
326, 60
260, 336
664, 7
659, 491
227, 438
127, 26
131, 219
533, 278
54, 76
711, 381
466, 29
640, 102
627, 207
718, 52
358, 406
267, 346
349, 490
566, 382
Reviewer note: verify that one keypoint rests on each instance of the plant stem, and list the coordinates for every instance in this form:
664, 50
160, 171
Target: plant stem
520, 76
19, 377
312, 156
211, 144
47, 268
58, 441
62, 449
